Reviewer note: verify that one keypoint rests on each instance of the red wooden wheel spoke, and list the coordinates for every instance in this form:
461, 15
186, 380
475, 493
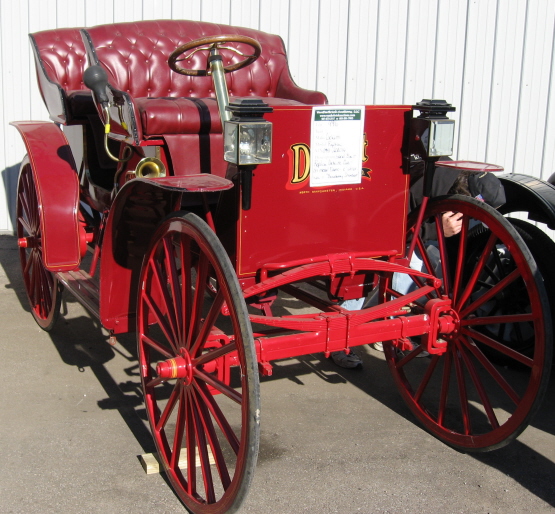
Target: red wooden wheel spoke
427, 262
501, 320
208, 427
45, 281
43, 299
23, 222
191, 485
491, 293
442, 248
186, 286
202, 446
155, 381
35, 298
471, 284
170, 405
198, 299
179, 427
509, 352
29, 209
428, 267
173, 280
461, 384
444, 388
25, 216
215, 354
167, 304
457, 280
412, 354
28, 266
220, 386
208, 324
426, 379
218, 415
162, 323
493, 372
479, 387
157, 346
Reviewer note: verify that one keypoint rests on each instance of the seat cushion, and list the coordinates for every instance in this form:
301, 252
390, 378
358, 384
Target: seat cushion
186, 115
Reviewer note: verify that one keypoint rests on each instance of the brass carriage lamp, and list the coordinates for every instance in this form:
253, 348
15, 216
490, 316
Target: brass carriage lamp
432, 132
248, 136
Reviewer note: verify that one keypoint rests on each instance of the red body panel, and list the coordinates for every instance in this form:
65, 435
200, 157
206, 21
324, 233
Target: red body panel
57, 186
289, 220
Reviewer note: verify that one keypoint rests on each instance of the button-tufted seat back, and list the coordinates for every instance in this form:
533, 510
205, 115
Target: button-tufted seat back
60, 60
135, 56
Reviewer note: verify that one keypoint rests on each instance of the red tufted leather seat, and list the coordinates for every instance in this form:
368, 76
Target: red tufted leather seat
60, 60
163, 102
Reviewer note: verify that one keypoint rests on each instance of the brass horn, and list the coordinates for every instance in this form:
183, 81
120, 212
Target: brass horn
150, 167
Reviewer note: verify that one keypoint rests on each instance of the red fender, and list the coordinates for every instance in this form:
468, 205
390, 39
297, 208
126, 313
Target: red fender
133, 219
57, 186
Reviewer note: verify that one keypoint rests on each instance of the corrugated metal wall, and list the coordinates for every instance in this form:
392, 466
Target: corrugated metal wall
492, 59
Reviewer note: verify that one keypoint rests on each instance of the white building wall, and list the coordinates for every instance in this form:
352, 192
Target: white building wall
493, 59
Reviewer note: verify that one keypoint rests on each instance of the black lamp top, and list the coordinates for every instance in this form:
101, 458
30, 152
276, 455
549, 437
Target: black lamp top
433, 108
248, 108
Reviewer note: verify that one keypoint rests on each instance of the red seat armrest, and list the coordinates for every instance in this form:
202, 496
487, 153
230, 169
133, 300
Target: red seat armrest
286, 88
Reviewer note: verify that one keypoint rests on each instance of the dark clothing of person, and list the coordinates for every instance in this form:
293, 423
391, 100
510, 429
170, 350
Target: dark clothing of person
484, 186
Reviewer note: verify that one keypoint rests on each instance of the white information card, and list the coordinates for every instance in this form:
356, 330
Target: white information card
336, 145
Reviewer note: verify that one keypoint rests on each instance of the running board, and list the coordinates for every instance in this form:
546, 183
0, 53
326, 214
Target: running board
81, 285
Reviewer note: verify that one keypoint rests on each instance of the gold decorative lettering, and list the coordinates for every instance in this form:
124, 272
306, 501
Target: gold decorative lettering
301, 162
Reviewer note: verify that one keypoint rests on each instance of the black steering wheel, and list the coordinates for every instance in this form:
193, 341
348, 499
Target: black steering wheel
215, 42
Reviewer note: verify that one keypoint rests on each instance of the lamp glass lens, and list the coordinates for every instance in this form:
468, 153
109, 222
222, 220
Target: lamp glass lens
442, 134
255, 143
230, 141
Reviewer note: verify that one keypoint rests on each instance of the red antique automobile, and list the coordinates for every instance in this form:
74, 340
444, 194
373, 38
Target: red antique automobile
185, 184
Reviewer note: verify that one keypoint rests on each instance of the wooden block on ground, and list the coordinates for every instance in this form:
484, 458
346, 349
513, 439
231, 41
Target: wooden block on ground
151, 464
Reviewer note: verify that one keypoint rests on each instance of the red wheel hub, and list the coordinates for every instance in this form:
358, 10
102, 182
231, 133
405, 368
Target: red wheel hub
444, 325
28, 242
178, 367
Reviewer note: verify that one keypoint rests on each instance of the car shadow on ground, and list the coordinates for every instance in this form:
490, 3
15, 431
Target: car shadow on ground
81, 342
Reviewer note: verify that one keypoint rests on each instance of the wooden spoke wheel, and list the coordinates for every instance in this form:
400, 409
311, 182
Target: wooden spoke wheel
488, 371
192, 325
44, 291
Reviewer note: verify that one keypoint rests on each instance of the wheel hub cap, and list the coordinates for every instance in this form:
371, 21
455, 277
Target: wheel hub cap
179, 367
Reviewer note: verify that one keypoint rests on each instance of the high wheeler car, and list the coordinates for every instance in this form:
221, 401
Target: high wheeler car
185, 184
